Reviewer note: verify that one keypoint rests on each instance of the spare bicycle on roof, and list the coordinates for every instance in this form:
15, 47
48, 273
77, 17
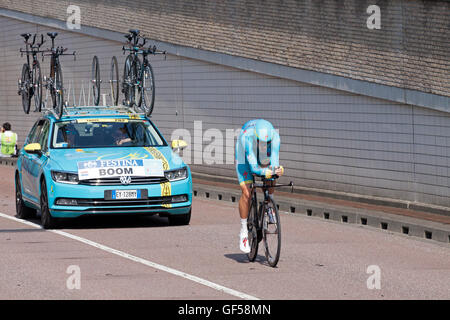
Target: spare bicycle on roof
30, 83
138, 78
54, 83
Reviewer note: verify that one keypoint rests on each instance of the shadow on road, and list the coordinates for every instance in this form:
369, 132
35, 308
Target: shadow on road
109, 221
242, 258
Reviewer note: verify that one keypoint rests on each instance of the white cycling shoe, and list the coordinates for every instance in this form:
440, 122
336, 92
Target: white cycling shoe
243, 242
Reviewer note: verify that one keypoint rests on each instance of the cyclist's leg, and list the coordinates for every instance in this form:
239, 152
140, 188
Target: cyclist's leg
244, 205
244, 174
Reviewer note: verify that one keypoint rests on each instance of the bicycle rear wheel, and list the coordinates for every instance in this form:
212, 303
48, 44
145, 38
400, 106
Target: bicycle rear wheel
147, 91
252, 227
37, 80
95, 76
114, 81
271, 233
25, 90
129, 80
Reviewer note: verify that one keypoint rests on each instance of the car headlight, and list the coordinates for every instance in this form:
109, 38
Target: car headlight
65, 177
174, 175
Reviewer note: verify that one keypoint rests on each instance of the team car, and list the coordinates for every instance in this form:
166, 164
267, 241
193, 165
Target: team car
97, 160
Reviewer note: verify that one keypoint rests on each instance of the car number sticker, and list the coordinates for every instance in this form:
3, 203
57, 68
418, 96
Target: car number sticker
95, 169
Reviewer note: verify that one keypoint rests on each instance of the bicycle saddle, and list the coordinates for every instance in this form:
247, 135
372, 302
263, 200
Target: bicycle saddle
26, 35
134, 32
52, 34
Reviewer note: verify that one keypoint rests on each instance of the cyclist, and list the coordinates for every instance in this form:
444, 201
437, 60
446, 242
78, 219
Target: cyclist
257, 152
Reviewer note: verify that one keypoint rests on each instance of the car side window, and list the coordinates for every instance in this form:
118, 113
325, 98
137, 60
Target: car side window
31, 134
43, 137
37, 134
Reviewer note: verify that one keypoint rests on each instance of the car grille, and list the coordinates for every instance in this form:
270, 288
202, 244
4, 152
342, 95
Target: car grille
116, 181
152, 201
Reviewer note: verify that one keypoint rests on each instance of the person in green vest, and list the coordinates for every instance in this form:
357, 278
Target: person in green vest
8, 141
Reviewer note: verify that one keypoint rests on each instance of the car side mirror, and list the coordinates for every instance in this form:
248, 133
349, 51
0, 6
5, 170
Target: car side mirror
33, 148
178, 145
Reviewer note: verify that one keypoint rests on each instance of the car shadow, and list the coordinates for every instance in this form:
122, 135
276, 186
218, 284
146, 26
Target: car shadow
115, 221
109, 222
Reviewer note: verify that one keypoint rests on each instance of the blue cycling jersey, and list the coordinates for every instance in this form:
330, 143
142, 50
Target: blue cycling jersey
248, 157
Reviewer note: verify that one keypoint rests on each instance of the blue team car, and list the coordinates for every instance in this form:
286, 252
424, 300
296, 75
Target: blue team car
95, 161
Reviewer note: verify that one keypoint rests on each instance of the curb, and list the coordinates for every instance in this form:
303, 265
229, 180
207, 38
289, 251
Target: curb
418, 228
394, 203
8, 161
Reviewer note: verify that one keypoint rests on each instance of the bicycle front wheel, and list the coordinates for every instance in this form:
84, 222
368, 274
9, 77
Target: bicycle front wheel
59, 92
25, 90
95, 76
147, 88
37, 80
252, 227
271, 232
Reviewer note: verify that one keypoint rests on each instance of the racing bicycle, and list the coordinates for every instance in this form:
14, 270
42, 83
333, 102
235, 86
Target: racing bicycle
263, 222
54, 83
138, 78
30, 83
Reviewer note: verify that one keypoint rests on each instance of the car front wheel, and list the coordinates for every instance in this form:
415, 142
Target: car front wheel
180, 219
22, 211
47, 221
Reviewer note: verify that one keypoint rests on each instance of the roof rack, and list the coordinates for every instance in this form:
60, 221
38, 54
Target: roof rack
81, 111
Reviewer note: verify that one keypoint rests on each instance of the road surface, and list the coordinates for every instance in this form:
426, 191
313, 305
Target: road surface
144, 258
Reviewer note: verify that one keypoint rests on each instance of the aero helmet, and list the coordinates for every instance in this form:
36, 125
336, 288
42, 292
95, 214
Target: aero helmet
264, 130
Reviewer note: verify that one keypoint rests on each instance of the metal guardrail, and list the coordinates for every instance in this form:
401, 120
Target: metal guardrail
7, 161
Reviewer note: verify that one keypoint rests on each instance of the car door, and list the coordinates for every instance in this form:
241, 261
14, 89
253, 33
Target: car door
25, 163
34, 162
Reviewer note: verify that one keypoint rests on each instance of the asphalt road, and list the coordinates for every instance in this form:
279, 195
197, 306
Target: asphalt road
144, 258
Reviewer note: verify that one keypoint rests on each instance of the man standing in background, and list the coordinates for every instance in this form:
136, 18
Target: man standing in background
8, 141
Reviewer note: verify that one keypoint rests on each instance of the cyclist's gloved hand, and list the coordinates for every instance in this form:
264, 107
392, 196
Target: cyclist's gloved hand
268, 173
279, 171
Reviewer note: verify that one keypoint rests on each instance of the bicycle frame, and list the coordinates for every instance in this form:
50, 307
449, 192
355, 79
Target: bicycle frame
34, 49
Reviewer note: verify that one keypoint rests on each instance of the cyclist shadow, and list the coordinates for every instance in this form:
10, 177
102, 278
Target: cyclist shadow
242, 258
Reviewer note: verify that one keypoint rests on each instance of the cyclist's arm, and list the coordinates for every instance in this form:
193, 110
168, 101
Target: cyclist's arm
275, 153
251, 158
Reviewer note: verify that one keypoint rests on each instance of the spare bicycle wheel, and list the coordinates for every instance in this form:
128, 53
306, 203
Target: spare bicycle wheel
114, 81
95, 76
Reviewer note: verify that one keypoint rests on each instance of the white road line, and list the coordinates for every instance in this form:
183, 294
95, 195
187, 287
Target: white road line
139, 260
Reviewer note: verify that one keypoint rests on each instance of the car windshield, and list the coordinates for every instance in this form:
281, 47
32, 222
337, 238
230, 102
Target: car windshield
105, 133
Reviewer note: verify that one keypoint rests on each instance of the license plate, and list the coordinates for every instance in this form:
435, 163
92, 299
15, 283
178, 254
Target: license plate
125, 194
